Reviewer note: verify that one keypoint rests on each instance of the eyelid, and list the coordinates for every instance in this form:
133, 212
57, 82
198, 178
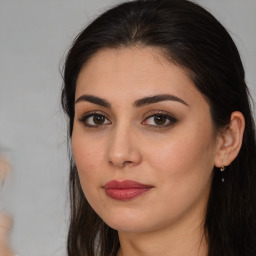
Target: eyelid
158, 112
94, 112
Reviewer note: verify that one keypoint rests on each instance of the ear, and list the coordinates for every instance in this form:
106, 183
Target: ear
230, 140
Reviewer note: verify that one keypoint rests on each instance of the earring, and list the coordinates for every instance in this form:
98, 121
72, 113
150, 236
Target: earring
222, 169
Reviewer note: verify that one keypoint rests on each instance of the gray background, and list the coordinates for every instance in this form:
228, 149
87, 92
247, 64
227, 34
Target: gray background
34, 37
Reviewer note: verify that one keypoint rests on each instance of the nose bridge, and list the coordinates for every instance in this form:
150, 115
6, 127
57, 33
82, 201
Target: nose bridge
123, 149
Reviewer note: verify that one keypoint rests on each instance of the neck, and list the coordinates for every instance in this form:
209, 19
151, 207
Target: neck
170, 241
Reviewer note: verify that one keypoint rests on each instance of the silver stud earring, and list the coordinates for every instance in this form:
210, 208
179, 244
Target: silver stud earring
222, 169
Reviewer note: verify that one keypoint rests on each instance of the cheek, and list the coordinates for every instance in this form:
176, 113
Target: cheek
88, 157
182, 166
186, 156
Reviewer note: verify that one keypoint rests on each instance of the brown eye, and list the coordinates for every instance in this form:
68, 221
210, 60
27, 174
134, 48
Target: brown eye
94, 120
98, 120
160, 120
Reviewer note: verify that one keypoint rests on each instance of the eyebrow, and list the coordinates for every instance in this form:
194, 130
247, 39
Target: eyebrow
94, 100
156, 99
138, 103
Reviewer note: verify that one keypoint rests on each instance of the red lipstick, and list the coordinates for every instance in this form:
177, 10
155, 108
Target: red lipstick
125, 190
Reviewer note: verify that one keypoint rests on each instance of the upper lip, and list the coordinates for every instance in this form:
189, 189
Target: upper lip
114, 184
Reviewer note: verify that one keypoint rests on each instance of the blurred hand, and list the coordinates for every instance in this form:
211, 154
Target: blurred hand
4, 169
5, 220
5, 226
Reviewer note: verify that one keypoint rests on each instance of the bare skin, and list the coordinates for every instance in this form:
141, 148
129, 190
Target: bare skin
5, 220
5, 226
151, 125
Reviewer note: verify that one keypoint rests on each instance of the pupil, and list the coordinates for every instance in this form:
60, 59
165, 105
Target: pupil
160, 120
98, 119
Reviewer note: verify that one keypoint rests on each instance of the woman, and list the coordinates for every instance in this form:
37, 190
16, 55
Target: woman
163, 139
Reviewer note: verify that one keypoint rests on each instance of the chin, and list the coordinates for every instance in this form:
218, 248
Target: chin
122, 219
132, 222
129, 227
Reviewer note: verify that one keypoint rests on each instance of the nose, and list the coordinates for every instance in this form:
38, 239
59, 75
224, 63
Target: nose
123, 148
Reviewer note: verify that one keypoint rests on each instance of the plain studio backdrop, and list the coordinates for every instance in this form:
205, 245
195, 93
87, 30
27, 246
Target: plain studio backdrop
34, 38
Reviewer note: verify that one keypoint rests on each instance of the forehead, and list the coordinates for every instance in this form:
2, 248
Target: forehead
133, 73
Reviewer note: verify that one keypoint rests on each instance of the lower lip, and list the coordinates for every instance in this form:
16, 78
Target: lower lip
125, 193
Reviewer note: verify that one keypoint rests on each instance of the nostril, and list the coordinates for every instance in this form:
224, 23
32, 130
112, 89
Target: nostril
123, 153
121, 163
127, 163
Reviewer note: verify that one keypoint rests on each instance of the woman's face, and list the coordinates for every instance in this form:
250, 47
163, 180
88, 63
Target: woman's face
143, 141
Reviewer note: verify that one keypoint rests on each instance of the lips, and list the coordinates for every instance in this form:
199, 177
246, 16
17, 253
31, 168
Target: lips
125, 190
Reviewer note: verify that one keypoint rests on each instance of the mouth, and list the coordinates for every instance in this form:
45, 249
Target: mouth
125, 190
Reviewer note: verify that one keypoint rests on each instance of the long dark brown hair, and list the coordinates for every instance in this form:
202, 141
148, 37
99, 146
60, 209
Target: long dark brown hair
192, 38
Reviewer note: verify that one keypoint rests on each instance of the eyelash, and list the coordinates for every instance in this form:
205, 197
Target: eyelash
167, 117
